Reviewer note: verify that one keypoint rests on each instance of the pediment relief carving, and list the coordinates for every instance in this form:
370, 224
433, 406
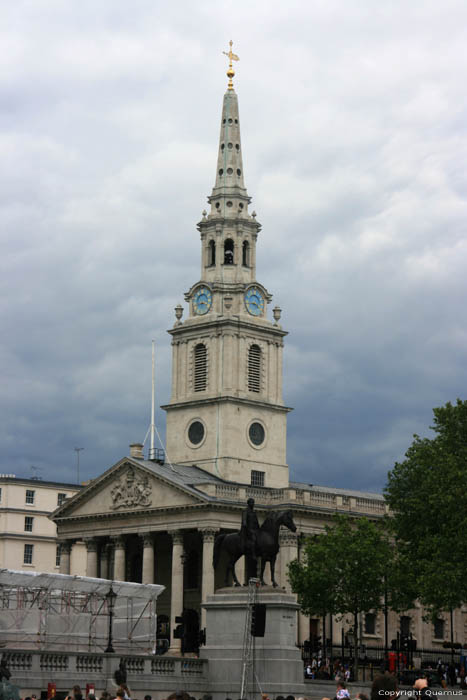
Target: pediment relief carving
132, 489
127, 489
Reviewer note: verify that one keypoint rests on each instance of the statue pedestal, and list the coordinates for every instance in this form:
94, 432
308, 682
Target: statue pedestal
278, 663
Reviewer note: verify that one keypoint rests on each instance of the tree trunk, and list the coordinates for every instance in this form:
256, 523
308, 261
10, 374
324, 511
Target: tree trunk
357, 645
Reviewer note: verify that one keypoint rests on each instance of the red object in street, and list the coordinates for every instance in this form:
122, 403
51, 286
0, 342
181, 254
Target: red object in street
51, 690
90, 689
392, 661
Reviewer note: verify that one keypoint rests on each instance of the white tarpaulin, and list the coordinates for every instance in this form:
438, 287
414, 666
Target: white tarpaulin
57, 611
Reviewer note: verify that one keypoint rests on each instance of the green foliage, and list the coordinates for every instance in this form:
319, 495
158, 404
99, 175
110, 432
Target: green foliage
345, 569
428, 497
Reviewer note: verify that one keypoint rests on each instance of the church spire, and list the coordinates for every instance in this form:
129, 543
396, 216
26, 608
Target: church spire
229, 197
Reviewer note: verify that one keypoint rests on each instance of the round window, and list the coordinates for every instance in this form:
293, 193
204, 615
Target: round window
256, 434
196, 432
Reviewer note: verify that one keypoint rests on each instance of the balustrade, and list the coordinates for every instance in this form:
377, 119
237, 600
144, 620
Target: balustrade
163, 667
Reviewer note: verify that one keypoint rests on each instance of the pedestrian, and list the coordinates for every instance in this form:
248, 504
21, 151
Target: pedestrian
341, 692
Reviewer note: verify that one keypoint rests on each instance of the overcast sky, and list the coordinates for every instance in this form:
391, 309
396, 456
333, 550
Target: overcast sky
354, 126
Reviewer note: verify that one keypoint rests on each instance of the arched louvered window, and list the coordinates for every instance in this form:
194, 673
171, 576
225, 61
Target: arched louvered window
200, 368
254, 368
245, 253
212, 253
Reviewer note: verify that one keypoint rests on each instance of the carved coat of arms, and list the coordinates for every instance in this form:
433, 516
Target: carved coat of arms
131, 489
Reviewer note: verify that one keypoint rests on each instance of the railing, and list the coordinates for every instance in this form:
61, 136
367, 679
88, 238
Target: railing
322, 499
226, 491
163, 667
370, 504
17, 660
266, 495
86, 667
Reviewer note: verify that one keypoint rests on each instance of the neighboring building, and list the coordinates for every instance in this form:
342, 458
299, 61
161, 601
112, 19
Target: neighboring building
28, 538
147, 521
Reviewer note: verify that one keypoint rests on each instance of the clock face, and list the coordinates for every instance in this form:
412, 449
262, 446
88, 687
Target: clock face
202, 301
254, 301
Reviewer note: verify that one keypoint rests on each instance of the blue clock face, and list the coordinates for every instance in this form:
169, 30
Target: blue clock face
202, 301
254, 301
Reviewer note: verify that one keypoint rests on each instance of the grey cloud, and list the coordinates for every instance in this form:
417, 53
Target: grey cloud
354, 139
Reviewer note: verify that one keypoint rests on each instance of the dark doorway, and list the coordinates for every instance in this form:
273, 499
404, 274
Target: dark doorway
191, 624
134, 559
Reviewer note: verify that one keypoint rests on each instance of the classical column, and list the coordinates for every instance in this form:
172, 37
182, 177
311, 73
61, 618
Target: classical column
119, 558
288, 542
65, 555
148, 558
176, 601
104, 561
207, 581
91, 557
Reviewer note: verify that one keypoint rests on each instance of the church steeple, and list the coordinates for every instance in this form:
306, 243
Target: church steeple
226, 411
229, 232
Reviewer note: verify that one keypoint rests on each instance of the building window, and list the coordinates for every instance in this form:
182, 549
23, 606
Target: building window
257, 478
405, 625
58, 553
211, 253
254, 368
28, 550
439, 628
61, 498
30, 497
229, 252
245, 254
28, 523
196, 432
200, 367
0, 495
370, 623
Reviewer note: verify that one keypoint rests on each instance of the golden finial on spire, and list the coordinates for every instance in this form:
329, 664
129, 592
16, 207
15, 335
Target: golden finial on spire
232, 57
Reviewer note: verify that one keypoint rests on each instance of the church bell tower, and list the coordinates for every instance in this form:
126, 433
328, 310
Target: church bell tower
226, 412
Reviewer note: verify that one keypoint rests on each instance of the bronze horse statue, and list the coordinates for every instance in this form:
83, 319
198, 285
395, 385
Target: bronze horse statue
267, 545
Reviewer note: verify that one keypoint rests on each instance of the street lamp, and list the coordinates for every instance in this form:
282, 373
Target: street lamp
110, 598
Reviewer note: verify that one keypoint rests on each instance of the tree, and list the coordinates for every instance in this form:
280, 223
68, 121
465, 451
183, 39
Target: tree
428, 498
344, 570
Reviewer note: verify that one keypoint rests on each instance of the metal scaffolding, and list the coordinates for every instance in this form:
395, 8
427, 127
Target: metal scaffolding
56, 611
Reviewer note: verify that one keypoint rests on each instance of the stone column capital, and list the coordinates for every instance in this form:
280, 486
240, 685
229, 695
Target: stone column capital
65, 546
91, 544
209, 533
288, 539
104, 551
118, 542
148, 539
177, 537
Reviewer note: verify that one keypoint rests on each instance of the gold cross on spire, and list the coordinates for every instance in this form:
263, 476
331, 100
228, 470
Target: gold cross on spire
232, 57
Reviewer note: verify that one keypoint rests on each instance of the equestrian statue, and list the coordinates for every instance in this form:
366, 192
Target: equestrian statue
253, 542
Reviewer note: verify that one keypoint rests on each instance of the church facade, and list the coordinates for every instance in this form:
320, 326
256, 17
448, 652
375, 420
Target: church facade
155, 520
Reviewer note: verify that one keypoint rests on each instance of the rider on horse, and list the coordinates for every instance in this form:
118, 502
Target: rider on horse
249, 534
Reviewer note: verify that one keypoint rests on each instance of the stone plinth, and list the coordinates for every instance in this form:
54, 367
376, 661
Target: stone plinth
278, 663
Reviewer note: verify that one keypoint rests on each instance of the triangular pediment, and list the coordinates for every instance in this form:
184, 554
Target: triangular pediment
127, 487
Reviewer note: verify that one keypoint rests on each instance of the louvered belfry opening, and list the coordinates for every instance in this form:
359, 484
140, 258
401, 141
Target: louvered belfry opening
254, 368
201, 368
